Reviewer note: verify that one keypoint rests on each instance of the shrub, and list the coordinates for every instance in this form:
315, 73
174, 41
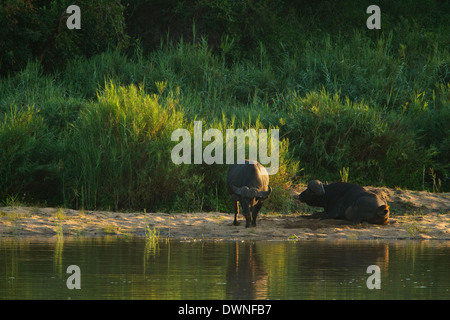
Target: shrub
37, 30
328, 134
118, 152
29, 157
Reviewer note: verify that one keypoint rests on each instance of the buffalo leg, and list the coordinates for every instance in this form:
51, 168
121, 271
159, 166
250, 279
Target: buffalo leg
236, 211
315, 215
333, 214
248, 221
248, 217
255, 212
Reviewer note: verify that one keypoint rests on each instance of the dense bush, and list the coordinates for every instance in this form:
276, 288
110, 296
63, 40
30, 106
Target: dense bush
118, 151
95, 133
377, 147
29, 157
119, 156
34, 29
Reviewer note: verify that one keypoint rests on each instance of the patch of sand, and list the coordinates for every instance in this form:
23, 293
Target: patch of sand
414, 215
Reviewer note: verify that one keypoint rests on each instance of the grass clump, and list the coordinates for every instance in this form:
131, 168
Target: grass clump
111, 229
330, 133
414, 229
29, 155
119, 147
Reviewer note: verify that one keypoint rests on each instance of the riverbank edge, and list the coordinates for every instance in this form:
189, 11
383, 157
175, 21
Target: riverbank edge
61, 222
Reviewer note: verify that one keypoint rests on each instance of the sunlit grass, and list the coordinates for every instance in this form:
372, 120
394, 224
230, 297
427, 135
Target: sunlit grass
353, 109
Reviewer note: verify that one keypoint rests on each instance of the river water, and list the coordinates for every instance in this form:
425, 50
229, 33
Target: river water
136, 268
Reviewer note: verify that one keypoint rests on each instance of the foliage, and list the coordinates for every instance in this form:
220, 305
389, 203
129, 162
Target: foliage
87, 115
118, 150
330, 134
33, 29
29, 155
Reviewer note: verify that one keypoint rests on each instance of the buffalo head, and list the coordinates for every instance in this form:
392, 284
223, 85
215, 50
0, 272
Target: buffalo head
249, 197
314, 195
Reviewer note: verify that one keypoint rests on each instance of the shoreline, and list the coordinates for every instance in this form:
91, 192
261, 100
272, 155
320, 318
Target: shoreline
415, 215
58, 222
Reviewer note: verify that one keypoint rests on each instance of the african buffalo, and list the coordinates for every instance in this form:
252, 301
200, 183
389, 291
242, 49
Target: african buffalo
345, 201
248, 184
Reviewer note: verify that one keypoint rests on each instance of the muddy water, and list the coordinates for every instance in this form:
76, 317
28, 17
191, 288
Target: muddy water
133, 268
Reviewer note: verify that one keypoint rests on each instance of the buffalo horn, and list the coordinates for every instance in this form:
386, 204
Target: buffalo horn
264, 194
316, 186
239, 190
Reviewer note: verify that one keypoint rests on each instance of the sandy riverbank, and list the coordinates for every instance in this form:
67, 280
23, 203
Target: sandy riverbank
415, 215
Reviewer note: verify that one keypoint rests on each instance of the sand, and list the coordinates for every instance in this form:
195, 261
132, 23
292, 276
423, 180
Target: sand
415, 215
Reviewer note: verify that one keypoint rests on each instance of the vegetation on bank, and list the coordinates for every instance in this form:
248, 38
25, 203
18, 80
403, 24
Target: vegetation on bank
94, 130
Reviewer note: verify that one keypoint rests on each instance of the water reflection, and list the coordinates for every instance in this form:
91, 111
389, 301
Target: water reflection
129, 268
246, 275
315, 260
57, 258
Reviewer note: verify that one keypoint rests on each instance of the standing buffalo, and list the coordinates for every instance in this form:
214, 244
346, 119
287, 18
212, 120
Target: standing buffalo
345, 201
248, 184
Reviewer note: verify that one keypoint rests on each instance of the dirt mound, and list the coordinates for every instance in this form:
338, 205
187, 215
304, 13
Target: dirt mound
405, 201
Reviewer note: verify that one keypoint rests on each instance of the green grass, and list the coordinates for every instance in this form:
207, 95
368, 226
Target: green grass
96, 135
111, 229
414, 229
152, 235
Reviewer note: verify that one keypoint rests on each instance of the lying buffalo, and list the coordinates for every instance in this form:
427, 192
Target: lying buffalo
345, 201
248, 184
